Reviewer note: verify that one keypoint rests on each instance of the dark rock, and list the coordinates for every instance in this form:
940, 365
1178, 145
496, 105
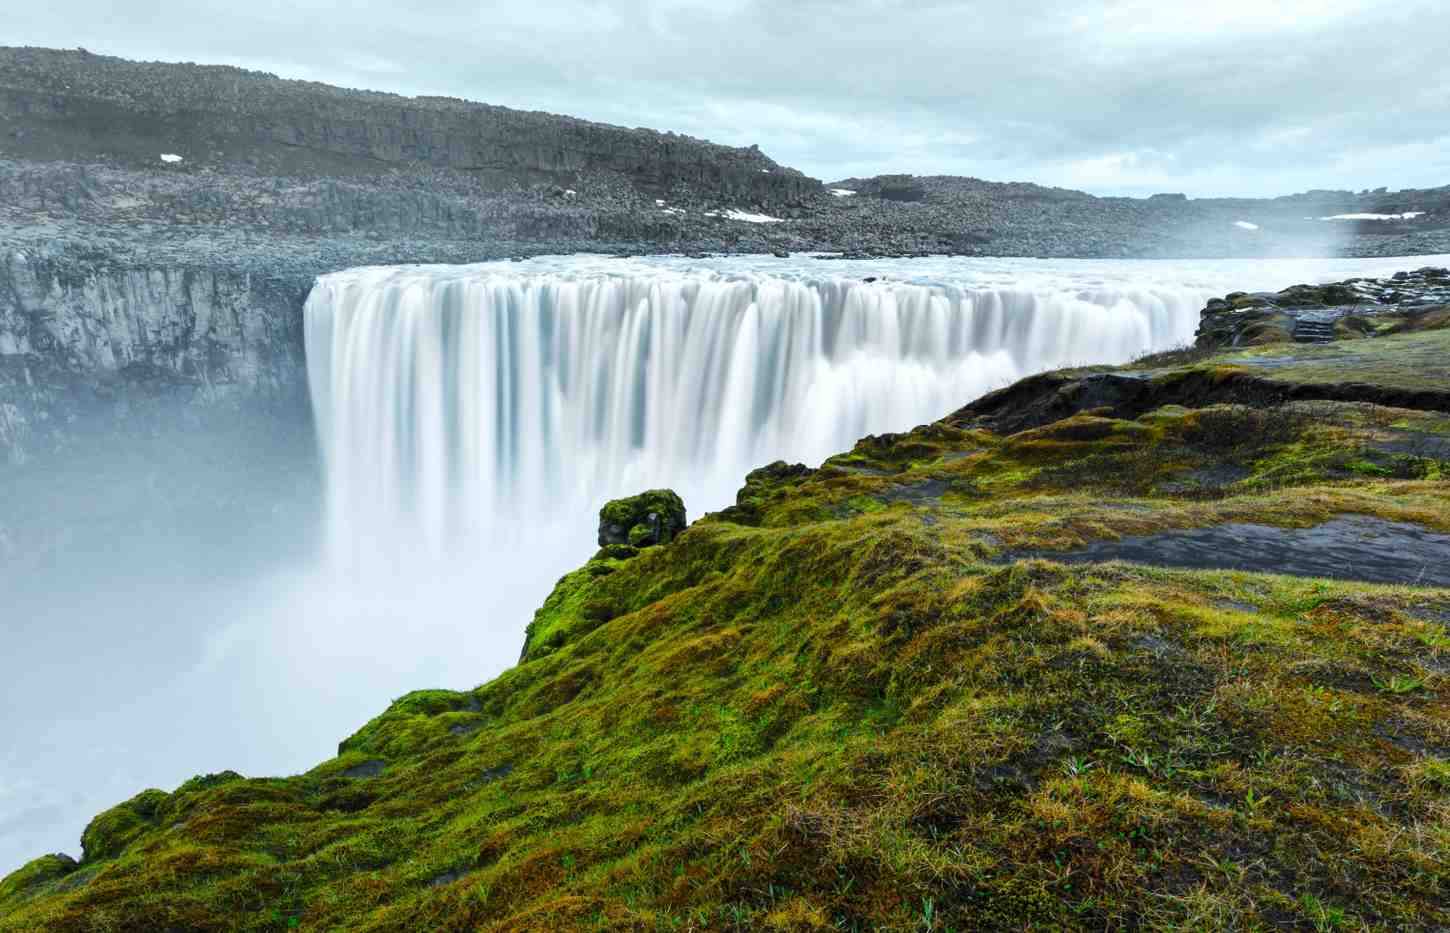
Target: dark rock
497, 773
368, 769
650, 518
1349, 548
1319, 313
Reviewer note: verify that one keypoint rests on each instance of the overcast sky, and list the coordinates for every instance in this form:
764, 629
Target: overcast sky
1209, 97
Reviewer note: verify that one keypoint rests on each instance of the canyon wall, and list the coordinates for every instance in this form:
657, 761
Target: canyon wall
117, 350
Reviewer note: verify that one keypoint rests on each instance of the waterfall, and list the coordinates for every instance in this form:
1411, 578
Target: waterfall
461, 405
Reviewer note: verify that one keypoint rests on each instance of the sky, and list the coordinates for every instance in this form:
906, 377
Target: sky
1229, 97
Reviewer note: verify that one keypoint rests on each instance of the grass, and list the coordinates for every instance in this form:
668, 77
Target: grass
826, 708
1411, 361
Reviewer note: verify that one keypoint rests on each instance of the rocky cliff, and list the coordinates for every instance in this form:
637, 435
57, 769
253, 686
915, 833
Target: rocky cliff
114, 349
74, 105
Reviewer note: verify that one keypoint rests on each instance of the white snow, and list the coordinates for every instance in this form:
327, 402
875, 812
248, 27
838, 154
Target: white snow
843, 192
659, 202
1245, 225
744, 216
1407, 215
569, 192
672, 210
170, 158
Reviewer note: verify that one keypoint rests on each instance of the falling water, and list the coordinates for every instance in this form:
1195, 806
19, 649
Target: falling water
455, 404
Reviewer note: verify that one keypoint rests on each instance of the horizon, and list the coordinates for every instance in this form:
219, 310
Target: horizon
1210, 104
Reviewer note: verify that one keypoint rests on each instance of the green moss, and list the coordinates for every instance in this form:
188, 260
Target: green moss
823, 708
652, 517
34, 877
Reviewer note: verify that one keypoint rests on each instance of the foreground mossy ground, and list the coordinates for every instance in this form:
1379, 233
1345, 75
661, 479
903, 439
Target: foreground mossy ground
841, 704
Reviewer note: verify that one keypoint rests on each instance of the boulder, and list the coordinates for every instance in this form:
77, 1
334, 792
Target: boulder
650, 518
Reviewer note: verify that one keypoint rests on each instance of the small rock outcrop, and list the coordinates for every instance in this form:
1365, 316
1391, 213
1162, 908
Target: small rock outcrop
650, 518
1319, 313
760, 485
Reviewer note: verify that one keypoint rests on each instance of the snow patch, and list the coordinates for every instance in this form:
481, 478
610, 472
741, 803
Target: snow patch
843, 192
659, 202
170, 158
1245, 225
1407, 215
744, 217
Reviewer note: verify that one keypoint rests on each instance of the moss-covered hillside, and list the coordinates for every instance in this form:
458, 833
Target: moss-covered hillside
847, 703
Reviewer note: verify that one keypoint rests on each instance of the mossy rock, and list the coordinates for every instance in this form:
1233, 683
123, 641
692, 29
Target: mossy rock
650, 518
207, 781
35, 875
108, 835
615, 552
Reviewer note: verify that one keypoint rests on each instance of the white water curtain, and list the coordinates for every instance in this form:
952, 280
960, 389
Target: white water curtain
455, 403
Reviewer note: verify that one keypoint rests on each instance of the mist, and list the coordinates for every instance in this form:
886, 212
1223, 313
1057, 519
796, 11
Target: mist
169, 611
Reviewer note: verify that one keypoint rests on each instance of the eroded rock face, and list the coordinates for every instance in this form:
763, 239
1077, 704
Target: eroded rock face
114, 345
650, 518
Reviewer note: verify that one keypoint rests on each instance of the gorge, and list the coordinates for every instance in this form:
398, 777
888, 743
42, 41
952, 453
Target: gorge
470, 421
420, 514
